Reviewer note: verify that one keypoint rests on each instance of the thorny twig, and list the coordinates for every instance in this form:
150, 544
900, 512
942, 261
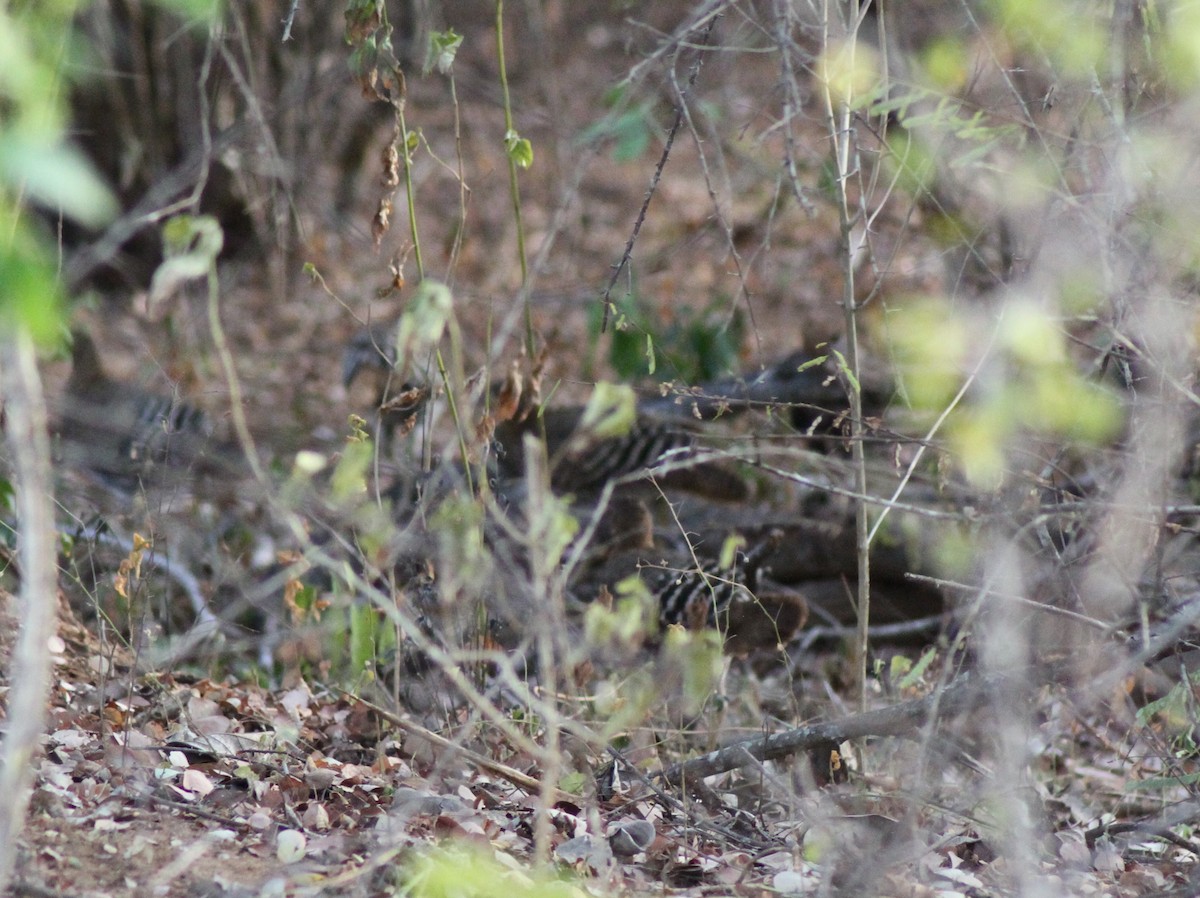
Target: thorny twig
658, 170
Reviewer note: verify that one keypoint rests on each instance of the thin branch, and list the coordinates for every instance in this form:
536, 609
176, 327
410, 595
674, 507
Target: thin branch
287, 23
985, 592
658, 170
530, 784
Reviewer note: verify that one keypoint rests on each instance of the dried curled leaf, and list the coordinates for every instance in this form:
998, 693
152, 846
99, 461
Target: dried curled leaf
131, 566
382, 221
391, 166
401, 410
508, 400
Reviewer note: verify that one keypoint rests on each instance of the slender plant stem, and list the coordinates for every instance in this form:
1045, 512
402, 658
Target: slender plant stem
236, 409
408, 189
463, 192
513, 184
452, 405
841, 133
542, 828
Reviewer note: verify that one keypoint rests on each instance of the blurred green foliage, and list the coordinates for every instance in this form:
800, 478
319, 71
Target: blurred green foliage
628, 124
38, 166
1173, 717
1022, 381
519, 149
669, 343
695, 656
1072, 35
460, 871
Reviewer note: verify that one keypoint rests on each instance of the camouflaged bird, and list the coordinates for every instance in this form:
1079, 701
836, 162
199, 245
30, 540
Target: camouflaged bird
129, 437
583, 463
734, 598
580, 462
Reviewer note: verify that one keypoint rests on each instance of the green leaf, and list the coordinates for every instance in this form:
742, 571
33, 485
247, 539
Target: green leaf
29, 291
978, 437
1031, 335
629, 125
458, 524
1164, 783
931, 344
349, 478
552, 528
193, 235
465, 871
57, 176
374, 528
424, 320
611, 411
361, 60
812, 363
844, 367
946, 61
191, 245
627, 624
573, 782
913, 676
443, 48
729, 549
706, 347
625, 345
519, 150
305, 598
698, 658
632, 137
1069, 406
899, 666
363, 18
365, 626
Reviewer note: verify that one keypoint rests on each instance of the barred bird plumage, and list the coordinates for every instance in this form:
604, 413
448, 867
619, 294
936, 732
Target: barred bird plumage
130, 437
701, 595
582, 463
579, 463
698, 592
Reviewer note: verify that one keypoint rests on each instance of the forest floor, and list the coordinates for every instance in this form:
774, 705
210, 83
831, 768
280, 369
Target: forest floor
180, 781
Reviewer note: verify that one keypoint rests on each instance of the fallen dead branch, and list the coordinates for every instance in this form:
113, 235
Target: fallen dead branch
517, 778
964, 693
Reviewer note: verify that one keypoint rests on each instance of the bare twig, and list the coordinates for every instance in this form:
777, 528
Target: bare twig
838, 111
1147, 827
514, 185
984, 592
517, 778
658, 170
287, 23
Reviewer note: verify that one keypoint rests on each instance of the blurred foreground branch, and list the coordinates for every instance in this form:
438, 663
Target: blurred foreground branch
29, 672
